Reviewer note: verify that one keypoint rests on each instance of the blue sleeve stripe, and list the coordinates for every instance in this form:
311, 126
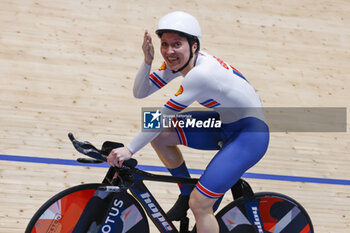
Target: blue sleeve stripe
159, 78
156, 84
171, 108
240, 75
207, 101
174, 102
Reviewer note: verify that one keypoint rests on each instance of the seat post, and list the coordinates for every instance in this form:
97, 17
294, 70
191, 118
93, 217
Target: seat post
184, 223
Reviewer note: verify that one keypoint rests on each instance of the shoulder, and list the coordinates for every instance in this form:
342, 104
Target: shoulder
203, 69
196, 76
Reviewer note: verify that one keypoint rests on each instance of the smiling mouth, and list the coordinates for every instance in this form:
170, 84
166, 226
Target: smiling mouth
171, 59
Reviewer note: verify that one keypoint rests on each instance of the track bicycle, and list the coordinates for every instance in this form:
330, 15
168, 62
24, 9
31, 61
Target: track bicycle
119, 204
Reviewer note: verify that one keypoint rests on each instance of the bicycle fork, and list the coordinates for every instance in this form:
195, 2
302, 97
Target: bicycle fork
243, 189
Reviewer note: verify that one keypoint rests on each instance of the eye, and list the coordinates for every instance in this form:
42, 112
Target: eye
164, 44
178, 44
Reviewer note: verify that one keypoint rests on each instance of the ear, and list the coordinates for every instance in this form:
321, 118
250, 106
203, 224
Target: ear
194, 47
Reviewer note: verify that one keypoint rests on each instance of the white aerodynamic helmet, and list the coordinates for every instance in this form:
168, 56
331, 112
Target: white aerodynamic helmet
182, 22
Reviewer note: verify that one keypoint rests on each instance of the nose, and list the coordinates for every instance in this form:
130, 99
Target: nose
169, 50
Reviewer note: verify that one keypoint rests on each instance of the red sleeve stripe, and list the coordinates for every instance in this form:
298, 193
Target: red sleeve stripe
157, 80
236, 70
210, 103
173, 105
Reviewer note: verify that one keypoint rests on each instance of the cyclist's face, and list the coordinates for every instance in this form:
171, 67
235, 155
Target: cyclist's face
175, 50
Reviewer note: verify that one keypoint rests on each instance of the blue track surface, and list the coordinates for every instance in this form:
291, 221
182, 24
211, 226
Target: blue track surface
27, 159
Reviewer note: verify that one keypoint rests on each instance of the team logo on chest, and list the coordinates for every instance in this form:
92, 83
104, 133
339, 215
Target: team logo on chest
162, 67
180, 91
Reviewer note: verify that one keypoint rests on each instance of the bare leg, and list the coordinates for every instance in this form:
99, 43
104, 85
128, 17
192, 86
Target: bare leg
202, 208
166, 148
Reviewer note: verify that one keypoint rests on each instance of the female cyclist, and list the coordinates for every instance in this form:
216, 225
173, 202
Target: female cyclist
241, 139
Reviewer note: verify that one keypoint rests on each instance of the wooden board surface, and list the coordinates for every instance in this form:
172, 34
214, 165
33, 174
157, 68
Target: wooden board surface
68, 66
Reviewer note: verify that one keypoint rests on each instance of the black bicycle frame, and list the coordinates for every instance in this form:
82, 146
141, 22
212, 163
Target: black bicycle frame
151, 206
132, 178
149, 203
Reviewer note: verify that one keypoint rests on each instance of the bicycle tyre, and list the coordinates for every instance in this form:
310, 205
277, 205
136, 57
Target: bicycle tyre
95, 210
277, 213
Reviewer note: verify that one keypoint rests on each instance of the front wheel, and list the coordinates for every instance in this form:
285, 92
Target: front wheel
85, 208
266, 213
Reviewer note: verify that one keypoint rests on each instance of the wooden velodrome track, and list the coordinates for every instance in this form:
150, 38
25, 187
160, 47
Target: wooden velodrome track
70, 65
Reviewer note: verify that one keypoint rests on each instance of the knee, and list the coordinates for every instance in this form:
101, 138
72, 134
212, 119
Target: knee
167, 137
194, 204
160, 139
199, 204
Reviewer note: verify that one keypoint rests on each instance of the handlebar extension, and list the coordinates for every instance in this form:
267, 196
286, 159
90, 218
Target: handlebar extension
96, 155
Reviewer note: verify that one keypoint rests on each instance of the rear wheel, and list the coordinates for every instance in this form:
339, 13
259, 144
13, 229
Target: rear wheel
267, 213
85, 208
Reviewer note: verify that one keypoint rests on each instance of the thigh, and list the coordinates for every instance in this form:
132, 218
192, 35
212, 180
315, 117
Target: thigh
204, 138
230, 163
167, 137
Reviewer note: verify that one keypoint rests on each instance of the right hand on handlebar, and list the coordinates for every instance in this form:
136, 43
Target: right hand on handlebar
147, 48
118, 156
